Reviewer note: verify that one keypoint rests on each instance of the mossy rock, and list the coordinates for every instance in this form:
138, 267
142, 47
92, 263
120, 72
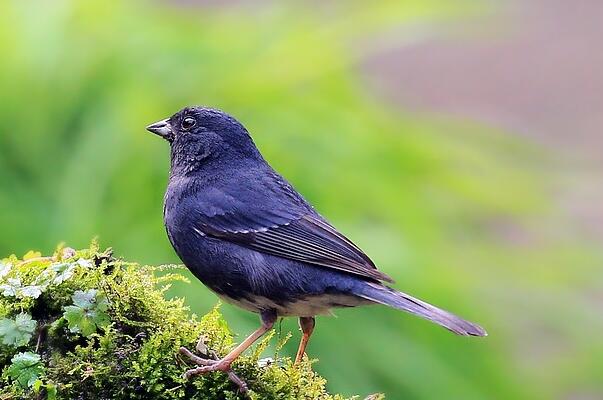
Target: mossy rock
85, 325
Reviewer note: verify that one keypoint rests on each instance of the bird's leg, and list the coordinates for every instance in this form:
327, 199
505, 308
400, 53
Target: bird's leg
306, 325
268, 319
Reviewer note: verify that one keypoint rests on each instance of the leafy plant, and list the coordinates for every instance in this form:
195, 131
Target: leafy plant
88, 312
64, 271
13, 287
128, 336
4, 269
25, 369
17, 332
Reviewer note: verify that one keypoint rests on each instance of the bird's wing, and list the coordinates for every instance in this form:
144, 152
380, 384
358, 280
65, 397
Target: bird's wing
289, 228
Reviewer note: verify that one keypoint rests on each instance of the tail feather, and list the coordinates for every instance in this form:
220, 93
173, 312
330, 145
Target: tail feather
390, 297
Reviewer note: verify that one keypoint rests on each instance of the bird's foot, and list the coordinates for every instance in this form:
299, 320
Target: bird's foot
196, 359
210, 365
220, 365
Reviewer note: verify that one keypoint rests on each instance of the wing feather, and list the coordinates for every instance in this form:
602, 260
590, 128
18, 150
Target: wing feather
308, 239
276, 220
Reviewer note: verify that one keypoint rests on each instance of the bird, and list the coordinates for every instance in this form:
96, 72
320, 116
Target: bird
251, 238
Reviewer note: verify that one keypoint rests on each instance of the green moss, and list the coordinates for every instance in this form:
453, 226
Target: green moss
102, 328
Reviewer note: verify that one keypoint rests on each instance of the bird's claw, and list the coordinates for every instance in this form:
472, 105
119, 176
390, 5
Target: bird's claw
196, 359
208, 365
216, 366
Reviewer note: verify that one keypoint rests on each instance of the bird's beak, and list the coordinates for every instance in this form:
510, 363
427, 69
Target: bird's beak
162, 128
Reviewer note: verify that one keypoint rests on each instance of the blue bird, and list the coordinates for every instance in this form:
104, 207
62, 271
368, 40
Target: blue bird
252, 239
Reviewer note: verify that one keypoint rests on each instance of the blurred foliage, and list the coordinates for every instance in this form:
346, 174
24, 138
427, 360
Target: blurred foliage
133, 353
460, 214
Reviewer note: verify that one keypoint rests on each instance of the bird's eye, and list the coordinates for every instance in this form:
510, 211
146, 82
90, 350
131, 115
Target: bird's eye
188, 123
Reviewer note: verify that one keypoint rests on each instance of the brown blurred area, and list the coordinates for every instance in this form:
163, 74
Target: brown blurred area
530, 67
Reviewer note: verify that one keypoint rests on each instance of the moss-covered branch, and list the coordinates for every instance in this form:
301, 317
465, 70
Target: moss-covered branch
85, 325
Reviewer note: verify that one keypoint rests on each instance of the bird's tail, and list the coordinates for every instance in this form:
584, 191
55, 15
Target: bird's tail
390, 297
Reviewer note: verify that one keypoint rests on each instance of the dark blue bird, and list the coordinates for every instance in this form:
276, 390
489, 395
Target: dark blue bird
250, 237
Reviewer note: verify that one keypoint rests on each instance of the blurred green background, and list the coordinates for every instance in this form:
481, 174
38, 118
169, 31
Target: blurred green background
462, 211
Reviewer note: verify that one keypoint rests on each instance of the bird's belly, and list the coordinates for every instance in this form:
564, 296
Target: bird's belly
256, 281
308, 306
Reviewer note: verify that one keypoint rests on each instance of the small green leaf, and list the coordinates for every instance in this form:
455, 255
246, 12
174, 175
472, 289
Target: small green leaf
17, 332
14, 288
64, 272
84, 299
33, 291
75, 319
31, 255
11, 287
4, 269
88, 312
25, 369
51, 391
37, 385
85, 263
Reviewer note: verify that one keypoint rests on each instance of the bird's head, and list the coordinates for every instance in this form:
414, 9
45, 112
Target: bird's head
197, 134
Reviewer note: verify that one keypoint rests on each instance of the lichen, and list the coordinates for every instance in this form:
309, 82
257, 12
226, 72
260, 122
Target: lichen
86, 325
